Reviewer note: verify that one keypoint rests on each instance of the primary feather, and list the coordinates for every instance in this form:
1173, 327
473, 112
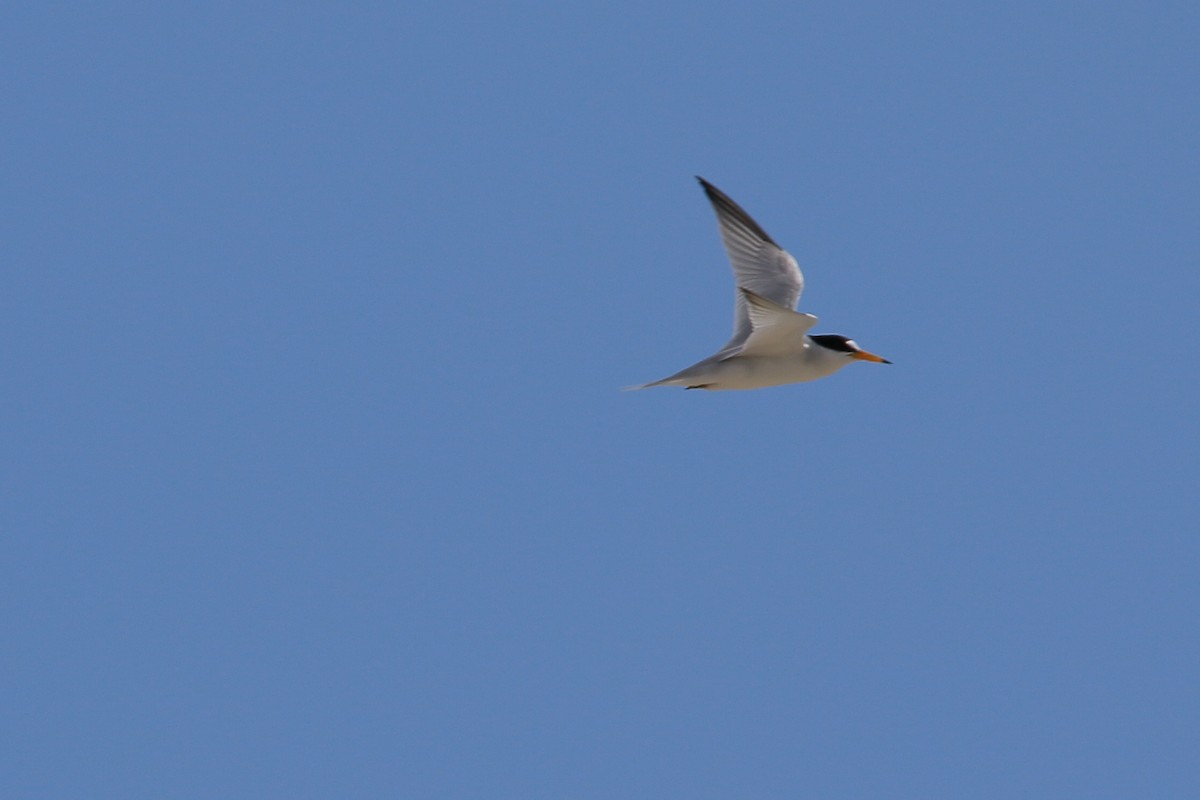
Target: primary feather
759, 264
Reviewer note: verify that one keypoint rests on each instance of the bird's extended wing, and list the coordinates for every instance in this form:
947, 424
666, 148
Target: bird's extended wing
775, 330
759, 264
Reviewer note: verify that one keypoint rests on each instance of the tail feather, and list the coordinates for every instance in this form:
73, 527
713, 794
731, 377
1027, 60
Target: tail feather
672, 381
694, 376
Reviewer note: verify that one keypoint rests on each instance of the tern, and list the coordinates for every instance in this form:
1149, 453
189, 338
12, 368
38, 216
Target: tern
771, 345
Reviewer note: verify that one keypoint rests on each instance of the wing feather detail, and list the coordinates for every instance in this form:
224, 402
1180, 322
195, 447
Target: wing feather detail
759, 264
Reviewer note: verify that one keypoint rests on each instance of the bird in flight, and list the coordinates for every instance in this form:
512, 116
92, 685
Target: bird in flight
771, 345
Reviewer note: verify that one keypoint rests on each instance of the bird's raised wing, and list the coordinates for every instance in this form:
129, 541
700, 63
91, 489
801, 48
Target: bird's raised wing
775, 330
759, 264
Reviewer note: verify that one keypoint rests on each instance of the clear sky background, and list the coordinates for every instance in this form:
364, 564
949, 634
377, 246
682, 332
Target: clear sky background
318, 481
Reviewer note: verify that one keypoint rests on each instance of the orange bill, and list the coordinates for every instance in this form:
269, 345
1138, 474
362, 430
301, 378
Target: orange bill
863, 355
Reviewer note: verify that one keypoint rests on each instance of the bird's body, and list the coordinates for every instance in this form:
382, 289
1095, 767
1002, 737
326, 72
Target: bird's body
770, 344
749, 372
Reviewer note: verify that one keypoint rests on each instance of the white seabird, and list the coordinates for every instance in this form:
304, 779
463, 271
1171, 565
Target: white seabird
770, 344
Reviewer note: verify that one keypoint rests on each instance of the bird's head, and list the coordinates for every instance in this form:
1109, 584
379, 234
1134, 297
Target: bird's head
847, 347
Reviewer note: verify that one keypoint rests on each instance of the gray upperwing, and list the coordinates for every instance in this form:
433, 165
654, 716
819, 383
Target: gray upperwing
759, 264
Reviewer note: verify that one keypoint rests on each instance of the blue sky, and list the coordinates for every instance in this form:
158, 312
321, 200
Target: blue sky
317, 478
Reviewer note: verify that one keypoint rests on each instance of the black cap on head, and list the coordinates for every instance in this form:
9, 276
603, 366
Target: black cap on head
834, 341
842, 344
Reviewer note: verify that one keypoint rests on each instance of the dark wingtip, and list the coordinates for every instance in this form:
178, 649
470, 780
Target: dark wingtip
714, 195
725, 206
